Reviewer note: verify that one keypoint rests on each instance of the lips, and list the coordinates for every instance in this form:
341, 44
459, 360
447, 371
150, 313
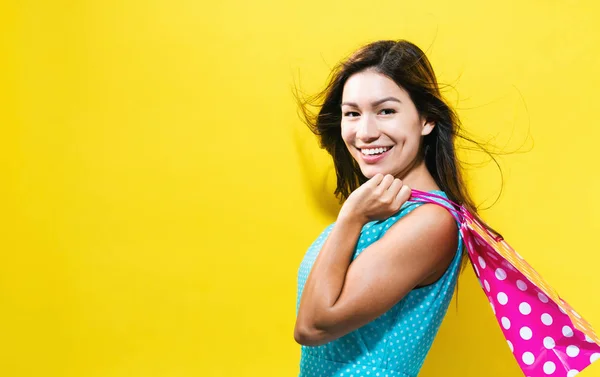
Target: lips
373, 150
373, 158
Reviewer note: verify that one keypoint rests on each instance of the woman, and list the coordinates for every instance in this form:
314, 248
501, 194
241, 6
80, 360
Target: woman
375, 285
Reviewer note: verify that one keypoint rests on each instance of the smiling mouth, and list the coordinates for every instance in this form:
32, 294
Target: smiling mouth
374, 151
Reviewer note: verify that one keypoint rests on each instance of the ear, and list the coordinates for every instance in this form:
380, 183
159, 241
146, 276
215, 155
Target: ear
427, 128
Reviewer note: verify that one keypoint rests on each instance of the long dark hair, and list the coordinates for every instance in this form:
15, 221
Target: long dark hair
407, 65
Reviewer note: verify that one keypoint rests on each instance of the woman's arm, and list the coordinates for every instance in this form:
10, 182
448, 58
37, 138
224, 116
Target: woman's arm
340, 296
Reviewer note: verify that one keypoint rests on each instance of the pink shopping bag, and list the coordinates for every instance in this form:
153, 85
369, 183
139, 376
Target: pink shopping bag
545, 334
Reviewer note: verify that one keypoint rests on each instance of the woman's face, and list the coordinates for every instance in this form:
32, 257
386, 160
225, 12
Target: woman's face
381, 126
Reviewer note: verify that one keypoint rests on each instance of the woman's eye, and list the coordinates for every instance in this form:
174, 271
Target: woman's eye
350, 114
388, 111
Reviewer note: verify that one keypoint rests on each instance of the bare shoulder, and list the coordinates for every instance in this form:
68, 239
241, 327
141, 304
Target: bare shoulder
432, 233
434, 219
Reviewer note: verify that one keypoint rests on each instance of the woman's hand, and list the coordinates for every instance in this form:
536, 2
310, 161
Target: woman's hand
377, 199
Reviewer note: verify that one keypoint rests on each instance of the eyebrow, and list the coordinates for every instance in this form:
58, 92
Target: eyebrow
374, 103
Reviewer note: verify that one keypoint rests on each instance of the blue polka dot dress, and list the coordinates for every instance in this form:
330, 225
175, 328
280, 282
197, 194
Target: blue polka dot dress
394, 344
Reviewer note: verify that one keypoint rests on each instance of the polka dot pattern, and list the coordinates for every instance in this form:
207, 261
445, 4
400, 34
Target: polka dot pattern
547, 319
541, 331
394, 344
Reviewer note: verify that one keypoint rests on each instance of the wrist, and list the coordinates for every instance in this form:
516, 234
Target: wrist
351, 218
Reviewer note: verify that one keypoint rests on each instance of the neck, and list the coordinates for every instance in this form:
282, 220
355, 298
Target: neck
417, 176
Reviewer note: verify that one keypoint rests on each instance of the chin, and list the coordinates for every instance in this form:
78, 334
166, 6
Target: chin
370, 172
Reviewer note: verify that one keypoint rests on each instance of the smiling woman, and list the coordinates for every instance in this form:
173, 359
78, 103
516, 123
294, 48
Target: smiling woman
382, 131
375, 285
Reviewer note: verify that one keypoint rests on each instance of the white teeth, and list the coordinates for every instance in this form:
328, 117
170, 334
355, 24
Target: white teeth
373, 151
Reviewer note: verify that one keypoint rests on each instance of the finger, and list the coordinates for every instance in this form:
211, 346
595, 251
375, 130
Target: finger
386, 183
375, 180
402, 196
389, 196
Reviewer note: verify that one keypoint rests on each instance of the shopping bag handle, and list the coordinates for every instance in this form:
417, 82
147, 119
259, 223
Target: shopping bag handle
459, 212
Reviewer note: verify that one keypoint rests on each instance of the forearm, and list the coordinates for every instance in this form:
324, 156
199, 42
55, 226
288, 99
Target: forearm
326, 279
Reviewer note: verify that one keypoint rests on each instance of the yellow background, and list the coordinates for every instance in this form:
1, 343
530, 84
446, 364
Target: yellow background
158, 190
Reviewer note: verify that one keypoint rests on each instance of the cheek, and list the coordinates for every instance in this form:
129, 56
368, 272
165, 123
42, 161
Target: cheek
406, 134
347, 135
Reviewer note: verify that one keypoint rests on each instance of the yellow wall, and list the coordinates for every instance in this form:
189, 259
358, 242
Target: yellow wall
158, 190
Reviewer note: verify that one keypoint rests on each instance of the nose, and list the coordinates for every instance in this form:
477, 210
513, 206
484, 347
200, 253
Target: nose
367, 130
